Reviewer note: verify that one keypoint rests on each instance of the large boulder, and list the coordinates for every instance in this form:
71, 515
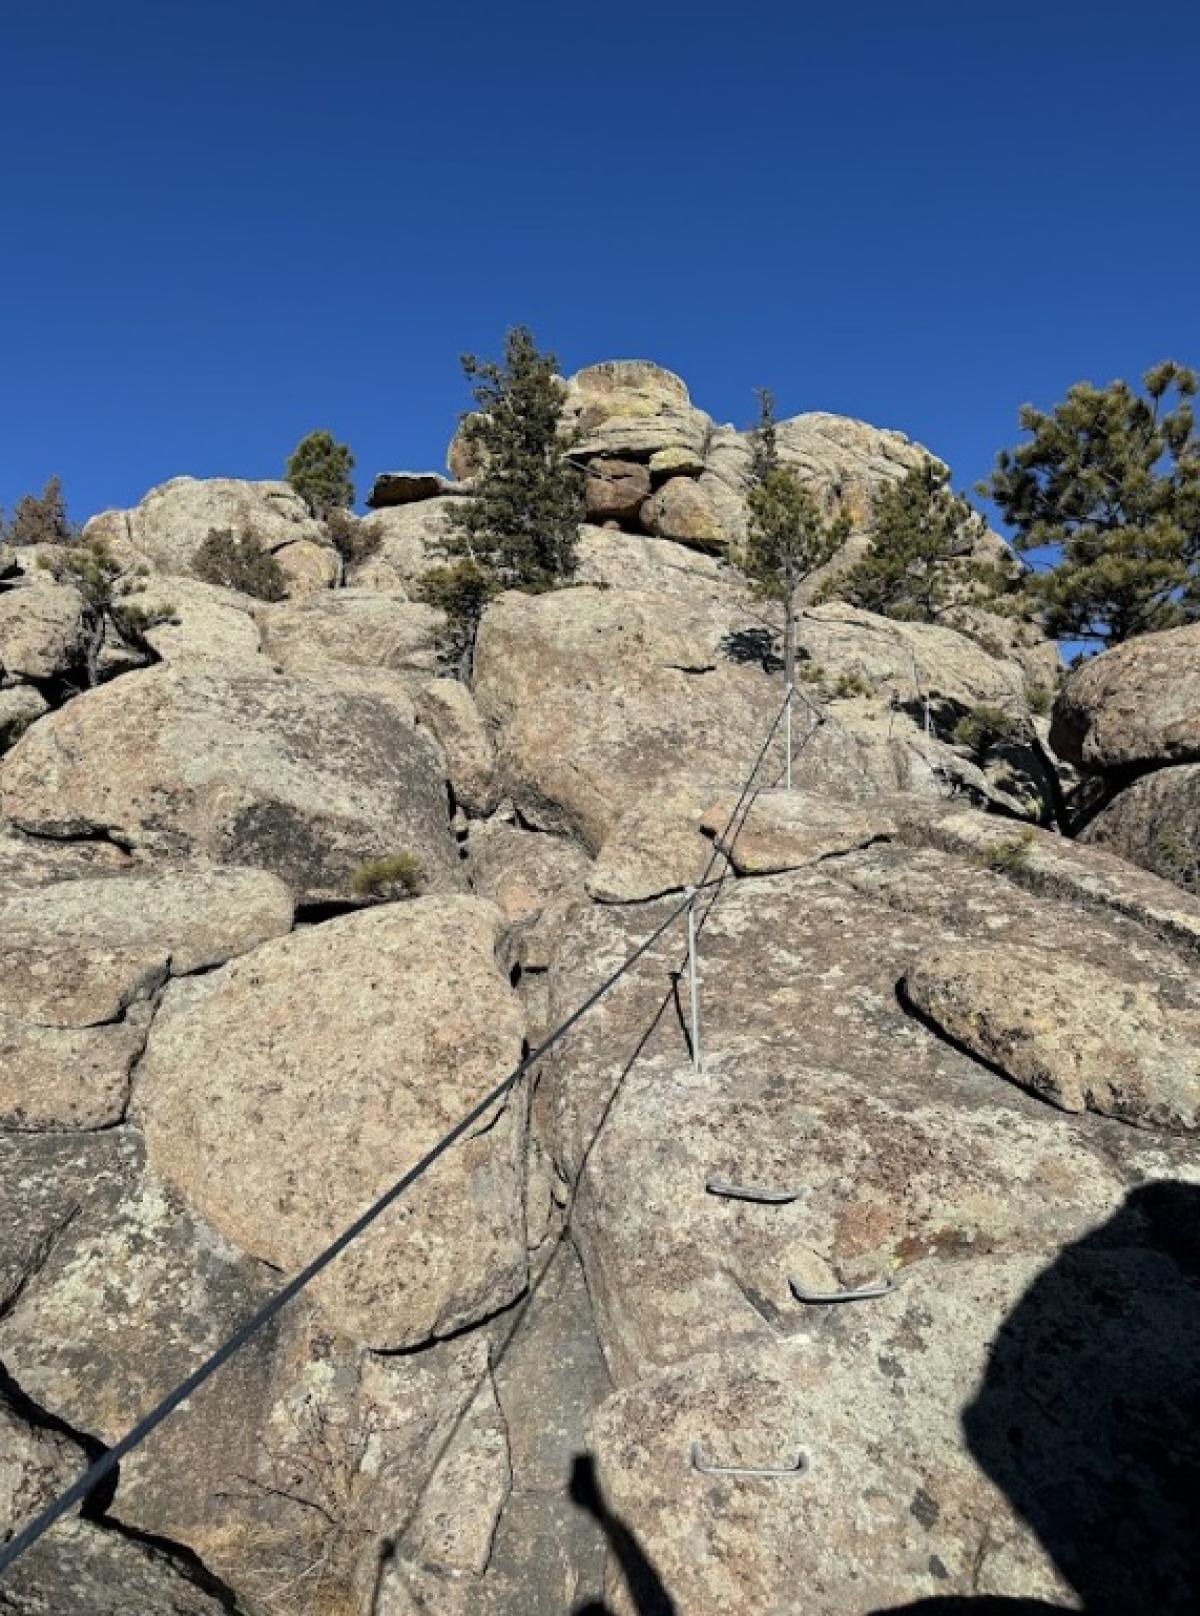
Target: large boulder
1155, 822
448, 709
1079, 1036
42, 630
682, 511
241, 768
321, 1446
20, 706
1136, 706
172, 521
201, 623
392, 488
283, 1094
633, 409
80, 963
594, 694
615, 490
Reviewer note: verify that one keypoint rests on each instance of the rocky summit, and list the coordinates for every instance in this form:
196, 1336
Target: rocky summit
884, 1296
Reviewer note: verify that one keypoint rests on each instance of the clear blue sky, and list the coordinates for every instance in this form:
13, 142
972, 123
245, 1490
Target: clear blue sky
227, 223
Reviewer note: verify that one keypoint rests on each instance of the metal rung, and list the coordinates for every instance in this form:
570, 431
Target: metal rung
700, 1464
751, 1192
860, 1293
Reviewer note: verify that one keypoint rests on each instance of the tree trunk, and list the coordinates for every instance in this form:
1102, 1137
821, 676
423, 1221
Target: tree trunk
789, 639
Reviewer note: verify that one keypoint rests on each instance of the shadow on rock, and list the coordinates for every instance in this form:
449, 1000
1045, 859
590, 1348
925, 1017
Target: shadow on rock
645, 1586
1088, 1417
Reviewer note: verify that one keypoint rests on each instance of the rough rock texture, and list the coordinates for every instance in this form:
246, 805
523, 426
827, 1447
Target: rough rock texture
681, 510
594, 694
910, 1159
288, 1471
41, 630
785, 830
408, 540
1155, 822
1078, 1036
448, 708
1138, 704
20, 706
633, 409
79, 962
170, 524
352, 628
207, 624
242, 768
656, 845
285, 1092
615, 490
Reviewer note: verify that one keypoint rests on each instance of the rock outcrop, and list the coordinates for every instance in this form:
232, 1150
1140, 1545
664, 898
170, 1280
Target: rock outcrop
912, 1227
170, 524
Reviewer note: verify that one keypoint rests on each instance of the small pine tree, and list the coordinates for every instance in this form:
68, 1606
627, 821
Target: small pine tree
521, 528
110, 601
41, 519
1110, 480
789, 537
523, 524
920, 530
319, 470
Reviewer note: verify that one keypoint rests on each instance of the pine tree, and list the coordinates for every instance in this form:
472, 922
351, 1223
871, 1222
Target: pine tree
41, 519
789, 535
319, 470
1110, 480
920, 539
521, 528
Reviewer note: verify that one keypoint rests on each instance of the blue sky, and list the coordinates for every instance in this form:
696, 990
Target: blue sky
226, 224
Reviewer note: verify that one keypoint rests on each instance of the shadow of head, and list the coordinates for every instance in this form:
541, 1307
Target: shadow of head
1088, 1417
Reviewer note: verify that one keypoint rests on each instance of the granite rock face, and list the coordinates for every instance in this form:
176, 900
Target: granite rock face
303, 779
906, 1217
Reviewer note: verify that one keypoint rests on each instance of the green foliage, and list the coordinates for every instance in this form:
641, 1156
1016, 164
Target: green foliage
319, 470
241, 562
40, 519
790, 537
851, 684
1010, 856
522, 526
393, 875
1110, 480
110, 600
352, 540
919, 526
1040, 700
764, 444
461, 589
982, 727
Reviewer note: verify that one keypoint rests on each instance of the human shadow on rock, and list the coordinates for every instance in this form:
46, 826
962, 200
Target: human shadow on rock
650, 1597
1088, 1417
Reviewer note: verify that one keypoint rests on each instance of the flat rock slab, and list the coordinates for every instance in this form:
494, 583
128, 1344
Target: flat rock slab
240, 768
1077, 1036
284, 1093
784, 830
409, 487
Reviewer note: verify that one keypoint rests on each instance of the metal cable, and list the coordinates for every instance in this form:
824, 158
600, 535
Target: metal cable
108, 1462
